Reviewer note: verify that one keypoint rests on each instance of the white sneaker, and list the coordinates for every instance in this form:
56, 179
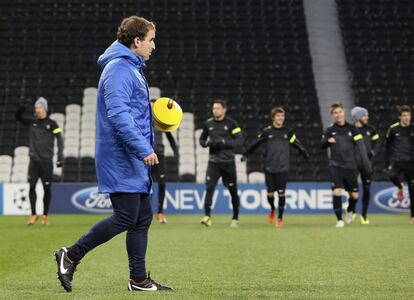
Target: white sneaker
348, 218
340, 224
235, 223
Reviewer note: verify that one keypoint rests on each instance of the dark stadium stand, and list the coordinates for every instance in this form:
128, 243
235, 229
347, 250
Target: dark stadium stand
252, 53
379, 45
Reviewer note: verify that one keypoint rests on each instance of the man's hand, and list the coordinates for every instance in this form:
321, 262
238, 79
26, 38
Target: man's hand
151, 160
217, 144
58, 164
332, 140
176, 154
205, 144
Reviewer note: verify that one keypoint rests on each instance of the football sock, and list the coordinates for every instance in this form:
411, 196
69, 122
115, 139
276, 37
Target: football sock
351, 204
281, 208
208, 201
337, 205
161, 195
235, 201
271, 200
365, 200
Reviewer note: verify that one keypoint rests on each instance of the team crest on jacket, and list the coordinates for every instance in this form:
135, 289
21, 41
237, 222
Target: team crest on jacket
48, 127
285, 136
225, 127
349, 133
368, 133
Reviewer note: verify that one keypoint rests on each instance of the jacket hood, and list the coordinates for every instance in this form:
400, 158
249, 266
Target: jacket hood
117, 50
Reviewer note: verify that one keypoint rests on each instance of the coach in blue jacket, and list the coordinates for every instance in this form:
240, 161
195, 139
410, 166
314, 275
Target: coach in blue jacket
124, 154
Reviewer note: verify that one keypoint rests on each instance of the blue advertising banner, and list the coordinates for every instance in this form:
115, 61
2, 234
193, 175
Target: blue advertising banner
188, 198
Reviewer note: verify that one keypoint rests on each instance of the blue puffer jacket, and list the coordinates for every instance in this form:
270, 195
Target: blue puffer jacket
124, 134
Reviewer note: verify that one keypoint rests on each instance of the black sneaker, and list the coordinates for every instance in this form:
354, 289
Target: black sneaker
65, 268
148, 285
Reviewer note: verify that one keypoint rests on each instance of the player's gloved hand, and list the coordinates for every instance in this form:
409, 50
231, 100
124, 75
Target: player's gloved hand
59, 164
215, 145
176, 154
205, 144
368, 170
388, 170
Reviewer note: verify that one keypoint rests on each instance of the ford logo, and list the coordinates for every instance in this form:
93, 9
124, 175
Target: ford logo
387, 200
90, 200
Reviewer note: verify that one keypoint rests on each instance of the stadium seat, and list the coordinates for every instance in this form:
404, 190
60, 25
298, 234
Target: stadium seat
90, 91
21, 151
256, 177
154, 92
19, 177
4, 177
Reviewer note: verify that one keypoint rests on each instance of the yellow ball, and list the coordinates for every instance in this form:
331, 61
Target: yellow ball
167, 114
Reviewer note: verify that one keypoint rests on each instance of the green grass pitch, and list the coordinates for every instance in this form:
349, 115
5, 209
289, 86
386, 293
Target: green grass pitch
307, 259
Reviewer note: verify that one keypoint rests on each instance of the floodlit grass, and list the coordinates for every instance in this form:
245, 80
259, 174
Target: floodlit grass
308, 258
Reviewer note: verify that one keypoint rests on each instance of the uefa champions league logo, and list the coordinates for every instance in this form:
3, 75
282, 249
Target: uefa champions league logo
387, 199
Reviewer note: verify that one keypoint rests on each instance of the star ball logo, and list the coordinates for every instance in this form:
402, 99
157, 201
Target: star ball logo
21, 199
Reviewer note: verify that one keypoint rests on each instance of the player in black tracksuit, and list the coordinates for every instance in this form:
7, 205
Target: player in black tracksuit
372, 145
344, 140
223, 136
43, 132
399, 154
277, 139
158, 171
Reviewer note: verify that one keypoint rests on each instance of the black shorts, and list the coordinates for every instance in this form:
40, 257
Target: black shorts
344, 179
158, 171
40, 169
226, 170
403, 168
276, 181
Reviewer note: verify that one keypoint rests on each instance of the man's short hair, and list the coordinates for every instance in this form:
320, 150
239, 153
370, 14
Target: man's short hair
403, 108
277, 110
131, 28
336, 105
219, 101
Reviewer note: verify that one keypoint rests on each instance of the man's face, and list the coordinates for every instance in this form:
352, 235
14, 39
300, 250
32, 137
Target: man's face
405, 118
40, 112
364, 120
279, 119
145, 47
338, 114
218, 111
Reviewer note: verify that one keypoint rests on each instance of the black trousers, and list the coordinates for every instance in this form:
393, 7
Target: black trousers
133, 214
226, 170
42, 169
